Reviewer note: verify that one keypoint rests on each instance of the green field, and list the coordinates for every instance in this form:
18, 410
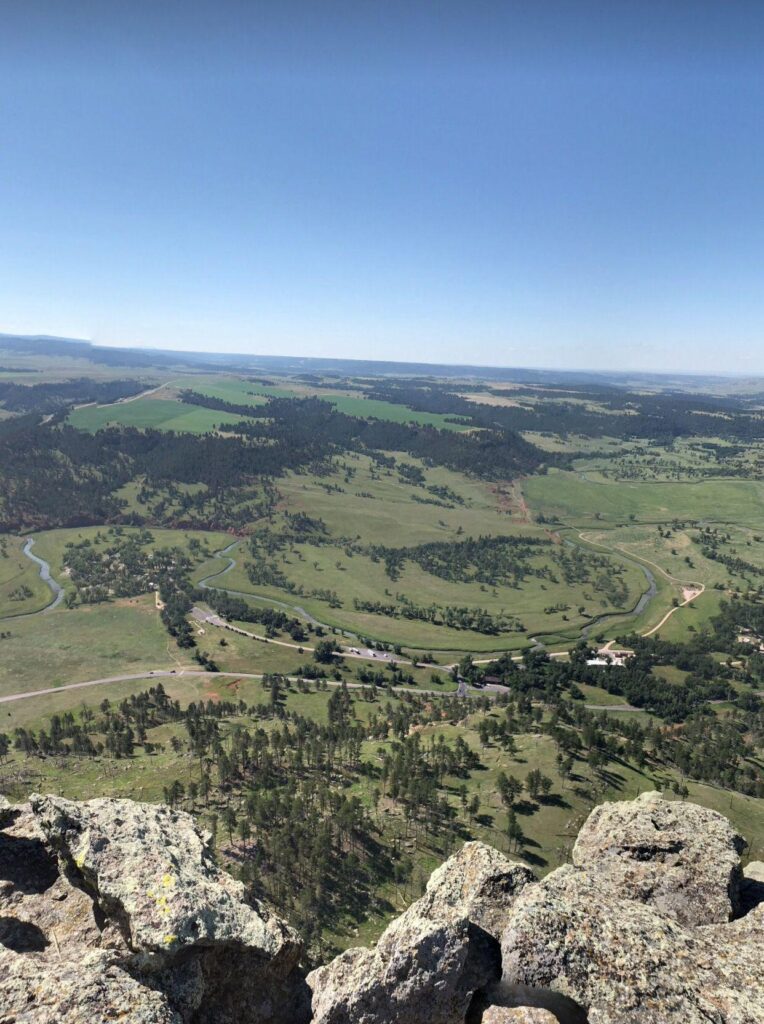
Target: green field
126, 636
359, 577
584, 502
374, 506
371, 407
164, 410
364, 504
87, 643
653, 523
232, 389
159, 413
247, 392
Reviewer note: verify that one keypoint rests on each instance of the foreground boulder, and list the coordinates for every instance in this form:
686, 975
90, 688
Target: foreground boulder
681, 859
133, 889
478, 883
152, 871
517, 1015
429, 962
627, 932
622, 961
419, 971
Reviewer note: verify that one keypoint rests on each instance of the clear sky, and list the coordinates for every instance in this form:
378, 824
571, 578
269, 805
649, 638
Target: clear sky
534, 183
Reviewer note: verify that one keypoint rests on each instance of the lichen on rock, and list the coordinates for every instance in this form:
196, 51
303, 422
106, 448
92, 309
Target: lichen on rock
153, 870
109, 901
113, 910
682, 859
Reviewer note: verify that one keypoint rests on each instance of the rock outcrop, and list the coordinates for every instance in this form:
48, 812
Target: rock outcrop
112, 910
478, 883
621, 960
632, 932
681, 859
92, 988
430, 961
517, 1015
132, 891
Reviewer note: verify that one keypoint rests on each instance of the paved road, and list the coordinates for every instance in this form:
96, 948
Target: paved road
163, 673
362, 653
212, 619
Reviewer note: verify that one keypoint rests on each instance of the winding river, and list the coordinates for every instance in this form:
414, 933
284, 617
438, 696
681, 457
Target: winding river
211, 582
644, 599
45, 576
205, 584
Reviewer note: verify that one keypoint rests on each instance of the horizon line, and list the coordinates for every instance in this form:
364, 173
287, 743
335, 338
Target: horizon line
137, 348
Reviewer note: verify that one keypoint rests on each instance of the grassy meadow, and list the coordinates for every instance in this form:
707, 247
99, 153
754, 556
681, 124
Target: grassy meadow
585, 502
372, 506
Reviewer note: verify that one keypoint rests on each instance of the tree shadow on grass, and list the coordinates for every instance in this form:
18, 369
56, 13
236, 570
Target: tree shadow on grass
535, 858
554, 800
525, 807
613, 779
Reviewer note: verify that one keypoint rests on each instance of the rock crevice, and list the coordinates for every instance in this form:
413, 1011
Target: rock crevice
115, 910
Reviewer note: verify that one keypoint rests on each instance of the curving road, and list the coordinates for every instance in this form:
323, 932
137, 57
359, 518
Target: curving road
361, 653
694, 585
365, 653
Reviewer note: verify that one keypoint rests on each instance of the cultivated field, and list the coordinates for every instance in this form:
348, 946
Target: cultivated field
151, 411
164, 410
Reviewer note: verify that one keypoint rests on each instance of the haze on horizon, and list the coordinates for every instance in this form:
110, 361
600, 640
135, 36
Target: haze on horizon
567, 185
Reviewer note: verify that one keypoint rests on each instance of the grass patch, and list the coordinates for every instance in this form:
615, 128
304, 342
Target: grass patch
585, 502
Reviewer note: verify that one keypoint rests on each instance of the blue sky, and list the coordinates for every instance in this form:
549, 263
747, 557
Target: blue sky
560, 184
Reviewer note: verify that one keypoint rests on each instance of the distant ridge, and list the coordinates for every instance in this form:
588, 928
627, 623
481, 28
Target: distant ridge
41, 344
